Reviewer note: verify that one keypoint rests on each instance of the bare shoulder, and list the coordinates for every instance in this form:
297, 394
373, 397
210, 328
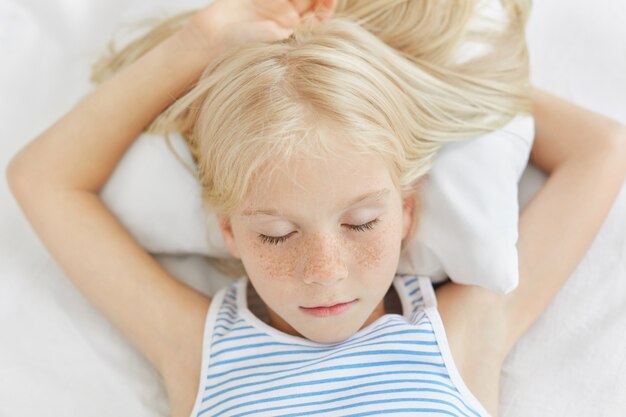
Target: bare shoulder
181, 370
475, 326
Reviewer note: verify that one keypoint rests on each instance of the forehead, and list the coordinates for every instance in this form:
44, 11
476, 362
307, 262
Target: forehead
323, 184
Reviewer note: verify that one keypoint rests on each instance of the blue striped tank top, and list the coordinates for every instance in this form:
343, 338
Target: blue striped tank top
398, 365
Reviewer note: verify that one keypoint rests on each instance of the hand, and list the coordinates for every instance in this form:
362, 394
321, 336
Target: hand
229, 23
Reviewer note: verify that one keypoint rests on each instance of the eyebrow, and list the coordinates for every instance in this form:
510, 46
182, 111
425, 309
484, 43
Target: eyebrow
372, 195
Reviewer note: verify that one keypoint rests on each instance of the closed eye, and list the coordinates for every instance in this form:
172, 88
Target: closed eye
366, 226
275, 240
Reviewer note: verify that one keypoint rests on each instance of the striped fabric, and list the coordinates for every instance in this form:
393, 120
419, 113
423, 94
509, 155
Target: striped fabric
398, 365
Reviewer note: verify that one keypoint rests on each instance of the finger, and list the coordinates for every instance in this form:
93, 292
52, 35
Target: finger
281, 11
302, 6
271, 31
324, 9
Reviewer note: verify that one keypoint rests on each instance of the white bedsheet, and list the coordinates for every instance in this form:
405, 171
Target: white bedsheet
60, 357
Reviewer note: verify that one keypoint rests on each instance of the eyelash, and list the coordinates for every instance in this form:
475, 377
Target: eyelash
272, 240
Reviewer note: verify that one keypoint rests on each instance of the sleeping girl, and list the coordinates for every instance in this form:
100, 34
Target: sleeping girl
313, 124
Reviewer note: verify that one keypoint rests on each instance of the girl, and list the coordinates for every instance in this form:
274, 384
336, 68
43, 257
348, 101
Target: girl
311, 148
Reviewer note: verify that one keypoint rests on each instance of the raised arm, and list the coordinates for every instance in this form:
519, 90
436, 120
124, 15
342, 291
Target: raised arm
56, 179
585, 155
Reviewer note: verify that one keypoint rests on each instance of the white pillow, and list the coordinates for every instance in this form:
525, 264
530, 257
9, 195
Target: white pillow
160, 201
469, 210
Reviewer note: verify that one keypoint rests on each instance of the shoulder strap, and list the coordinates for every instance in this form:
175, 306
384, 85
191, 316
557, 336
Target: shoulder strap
428, 292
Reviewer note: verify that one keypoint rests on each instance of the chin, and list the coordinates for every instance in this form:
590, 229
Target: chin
330, 337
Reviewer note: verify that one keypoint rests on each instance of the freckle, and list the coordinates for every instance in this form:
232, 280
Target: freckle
373, 251
370, 253
273, 261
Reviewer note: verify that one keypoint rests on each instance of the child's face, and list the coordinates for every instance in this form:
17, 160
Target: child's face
321, 261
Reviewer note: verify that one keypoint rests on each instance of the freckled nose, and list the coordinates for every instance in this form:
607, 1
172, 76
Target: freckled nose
322, 262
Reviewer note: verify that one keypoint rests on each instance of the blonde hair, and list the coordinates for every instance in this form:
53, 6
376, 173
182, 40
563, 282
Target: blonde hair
379, 77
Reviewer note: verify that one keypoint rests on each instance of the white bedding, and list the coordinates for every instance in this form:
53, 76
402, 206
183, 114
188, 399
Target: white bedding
60, 357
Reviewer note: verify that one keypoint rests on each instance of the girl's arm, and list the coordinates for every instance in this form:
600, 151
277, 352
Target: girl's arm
56, 179
585, 155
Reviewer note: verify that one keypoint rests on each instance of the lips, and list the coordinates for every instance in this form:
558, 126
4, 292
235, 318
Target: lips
329, 310
331, 304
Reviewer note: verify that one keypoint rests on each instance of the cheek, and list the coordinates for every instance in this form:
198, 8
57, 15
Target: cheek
271, 262
366, 250
380, 247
